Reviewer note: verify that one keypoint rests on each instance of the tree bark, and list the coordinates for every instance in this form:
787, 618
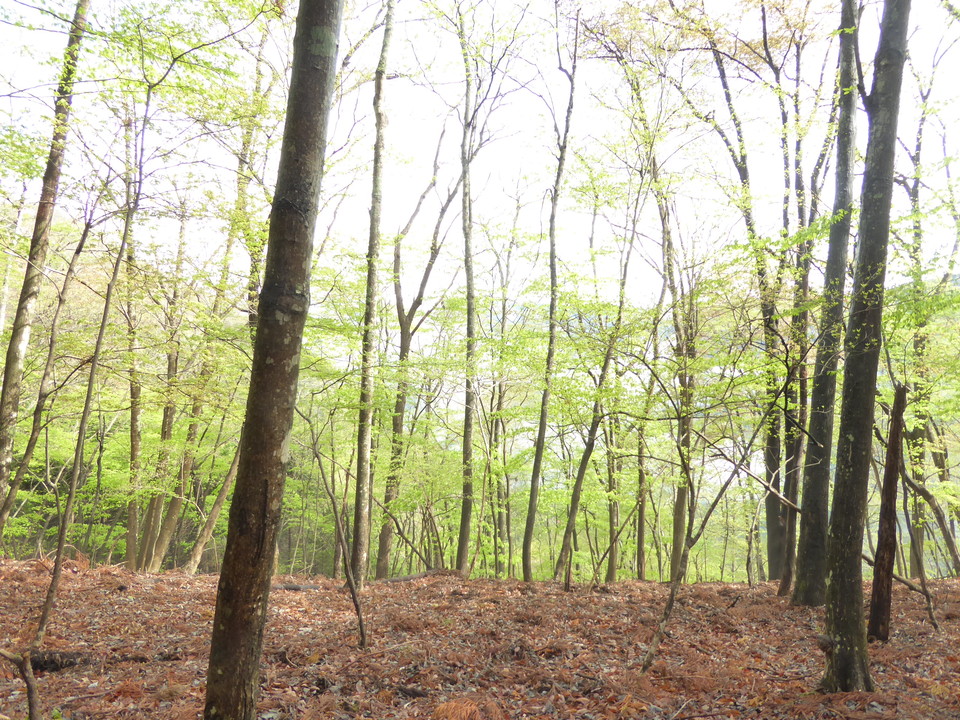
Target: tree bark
237, 638
811, 570
847, 663
878, 627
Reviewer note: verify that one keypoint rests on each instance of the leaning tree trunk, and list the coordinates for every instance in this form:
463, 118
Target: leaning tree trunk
39, 242
569, 534
47, 381
210, 523
847, 662
23, 661
233, 677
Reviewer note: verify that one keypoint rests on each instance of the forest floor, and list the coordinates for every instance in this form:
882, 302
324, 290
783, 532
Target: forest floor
446, 648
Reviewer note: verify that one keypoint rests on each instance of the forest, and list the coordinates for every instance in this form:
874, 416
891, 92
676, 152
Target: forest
558, 293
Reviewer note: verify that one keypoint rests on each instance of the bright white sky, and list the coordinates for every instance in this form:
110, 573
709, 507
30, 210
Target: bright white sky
520, 160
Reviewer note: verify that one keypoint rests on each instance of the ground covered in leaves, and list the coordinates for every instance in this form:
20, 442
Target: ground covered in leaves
441, 647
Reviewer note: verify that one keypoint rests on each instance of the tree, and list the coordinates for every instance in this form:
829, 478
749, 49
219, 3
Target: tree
878, 627
600, 333
485, 68
66, 520
563, 142
39, 244
811, 574
364, 486
409, 324
755, 64
847, 661
244, 586
47, 384
466, 215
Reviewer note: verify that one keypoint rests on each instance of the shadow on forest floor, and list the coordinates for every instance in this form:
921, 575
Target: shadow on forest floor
137, 648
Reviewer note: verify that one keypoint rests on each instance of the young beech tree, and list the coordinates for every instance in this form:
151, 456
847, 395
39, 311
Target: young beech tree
563, 141
486, 64
364, 486
847, 662
410, 318
233, 677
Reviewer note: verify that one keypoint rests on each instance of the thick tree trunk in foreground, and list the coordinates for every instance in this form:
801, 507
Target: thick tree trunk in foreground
847, 663
39, 242
880, 599
811, 571
233, 677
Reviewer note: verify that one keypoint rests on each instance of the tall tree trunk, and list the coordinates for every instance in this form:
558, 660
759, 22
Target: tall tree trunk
641, 506
811, 568
500, 480
684, 326
467, 146
136, 544
847, 663
921, 385
364, 486
768, 290
392, 485
651, 167
237, 638
539, 447
167, 526
39, 243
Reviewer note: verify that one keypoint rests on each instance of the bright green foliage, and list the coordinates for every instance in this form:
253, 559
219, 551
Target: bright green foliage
183, 104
